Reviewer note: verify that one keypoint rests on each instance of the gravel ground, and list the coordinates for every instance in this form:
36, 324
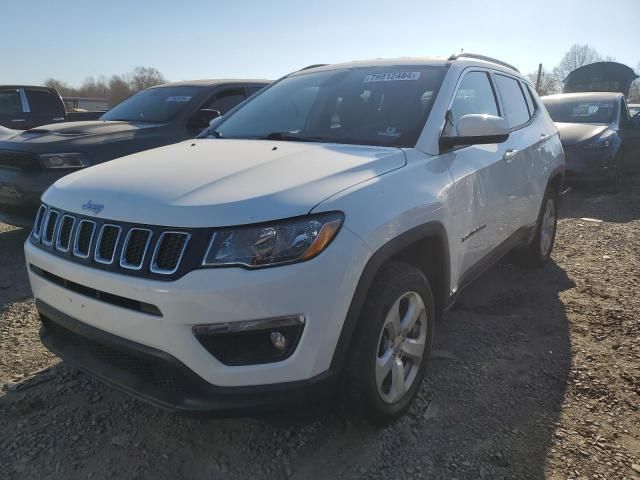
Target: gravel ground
536, 374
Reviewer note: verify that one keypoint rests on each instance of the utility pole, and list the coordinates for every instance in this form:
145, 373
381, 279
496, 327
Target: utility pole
539, 79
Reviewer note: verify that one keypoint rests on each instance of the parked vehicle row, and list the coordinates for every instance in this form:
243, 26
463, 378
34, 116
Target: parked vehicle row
601, 140
23, 107
305, 243
30, 161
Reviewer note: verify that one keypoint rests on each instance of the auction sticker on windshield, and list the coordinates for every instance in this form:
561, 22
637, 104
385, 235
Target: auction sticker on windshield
178, 98
391, 77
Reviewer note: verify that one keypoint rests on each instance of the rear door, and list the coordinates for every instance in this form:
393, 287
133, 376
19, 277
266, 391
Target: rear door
12, 112
521, 155
45, 107
481, 183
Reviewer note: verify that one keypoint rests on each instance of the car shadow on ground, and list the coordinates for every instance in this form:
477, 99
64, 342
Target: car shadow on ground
585, 201
487, 409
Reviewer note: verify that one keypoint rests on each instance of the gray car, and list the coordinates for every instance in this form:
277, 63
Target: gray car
600, 139
32, 160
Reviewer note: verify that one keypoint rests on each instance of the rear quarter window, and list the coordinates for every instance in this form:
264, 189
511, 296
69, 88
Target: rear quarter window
43, 101
516, 111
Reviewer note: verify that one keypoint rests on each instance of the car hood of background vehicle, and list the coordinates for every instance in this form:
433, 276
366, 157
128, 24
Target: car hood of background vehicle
80, 132
209, 183
572, 133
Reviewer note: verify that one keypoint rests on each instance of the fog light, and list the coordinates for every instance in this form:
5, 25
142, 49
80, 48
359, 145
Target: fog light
252, 342
278, 340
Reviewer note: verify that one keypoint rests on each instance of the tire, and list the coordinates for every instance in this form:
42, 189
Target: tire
388, 359
615, 178
538, 251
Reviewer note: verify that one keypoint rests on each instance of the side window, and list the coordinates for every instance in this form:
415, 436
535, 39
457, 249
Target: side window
515, 107
43, 101
624, 112
528, 96
226, 100
475, 95
10, 102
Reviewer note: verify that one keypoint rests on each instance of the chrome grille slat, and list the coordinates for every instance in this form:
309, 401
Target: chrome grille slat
84, 253
49, 227
141, 250
106, 245
134, 250
37, 225
162, 265
65, 233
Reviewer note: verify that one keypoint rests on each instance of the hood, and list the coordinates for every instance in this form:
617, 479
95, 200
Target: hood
573, 133
84, 132
222, 182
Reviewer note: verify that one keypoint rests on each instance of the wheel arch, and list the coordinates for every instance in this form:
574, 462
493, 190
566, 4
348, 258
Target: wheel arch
426, 247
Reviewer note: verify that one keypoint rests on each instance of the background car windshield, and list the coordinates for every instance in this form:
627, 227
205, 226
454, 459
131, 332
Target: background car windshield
384, 106
581, 111
152, 105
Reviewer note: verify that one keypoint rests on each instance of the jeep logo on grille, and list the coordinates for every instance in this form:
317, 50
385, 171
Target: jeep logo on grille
96, 208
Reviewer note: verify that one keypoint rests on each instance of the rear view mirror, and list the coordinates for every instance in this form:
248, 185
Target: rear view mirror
202, 117
476, 129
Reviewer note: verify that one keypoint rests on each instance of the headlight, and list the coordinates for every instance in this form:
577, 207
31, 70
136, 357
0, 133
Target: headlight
286, 241
65, 160
602, 141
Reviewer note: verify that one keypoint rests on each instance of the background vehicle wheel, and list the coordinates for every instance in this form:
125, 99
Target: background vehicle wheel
391, 345
615, 179
538, 252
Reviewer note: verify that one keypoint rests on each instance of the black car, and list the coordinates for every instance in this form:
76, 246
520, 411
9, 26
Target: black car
32, 160
23, 107
601, 141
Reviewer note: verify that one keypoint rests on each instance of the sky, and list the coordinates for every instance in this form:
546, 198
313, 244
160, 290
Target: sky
72, 39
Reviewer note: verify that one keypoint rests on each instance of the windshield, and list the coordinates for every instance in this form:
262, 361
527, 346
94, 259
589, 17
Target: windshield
634, 110
578, 110
383, 106
152, 105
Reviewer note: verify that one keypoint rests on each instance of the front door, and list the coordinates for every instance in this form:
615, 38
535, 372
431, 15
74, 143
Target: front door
479, 172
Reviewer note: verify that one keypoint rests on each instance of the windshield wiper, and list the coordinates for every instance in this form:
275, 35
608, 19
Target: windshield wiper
291, 137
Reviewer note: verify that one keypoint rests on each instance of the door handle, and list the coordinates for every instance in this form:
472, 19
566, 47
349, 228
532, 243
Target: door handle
509, 155
18, 120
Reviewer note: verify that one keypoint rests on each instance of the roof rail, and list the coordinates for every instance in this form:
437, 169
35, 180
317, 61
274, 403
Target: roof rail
456, 56
314, 66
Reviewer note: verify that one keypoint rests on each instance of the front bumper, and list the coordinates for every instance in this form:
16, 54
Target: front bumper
583, 165
320, 289
159, 378
20, 194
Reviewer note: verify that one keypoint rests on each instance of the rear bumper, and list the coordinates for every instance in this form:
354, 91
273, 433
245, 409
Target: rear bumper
160, 379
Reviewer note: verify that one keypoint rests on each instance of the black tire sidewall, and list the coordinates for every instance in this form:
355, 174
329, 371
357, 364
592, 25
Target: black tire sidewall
394, 280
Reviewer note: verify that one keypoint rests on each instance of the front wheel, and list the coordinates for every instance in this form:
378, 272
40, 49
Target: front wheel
538, 251
392, 344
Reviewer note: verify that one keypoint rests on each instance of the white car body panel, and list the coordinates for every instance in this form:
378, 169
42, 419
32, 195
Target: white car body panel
479, 198
221, 183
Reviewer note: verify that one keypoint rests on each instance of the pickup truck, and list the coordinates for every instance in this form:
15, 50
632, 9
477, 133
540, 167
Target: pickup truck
23, 107
31, 160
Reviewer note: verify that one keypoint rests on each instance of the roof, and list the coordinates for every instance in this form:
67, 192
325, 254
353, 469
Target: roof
213, 82
595, 96
413, 61
41, 87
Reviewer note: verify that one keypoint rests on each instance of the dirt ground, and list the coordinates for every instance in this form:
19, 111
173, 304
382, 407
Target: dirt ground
536, 374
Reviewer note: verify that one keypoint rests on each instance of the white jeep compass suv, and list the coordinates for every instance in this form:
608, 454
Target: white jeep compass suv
307, 241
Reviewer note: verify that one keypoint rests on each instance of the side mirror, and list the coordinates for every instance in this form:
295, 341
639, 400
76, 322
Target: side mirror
214, 122
202, 117
476, 129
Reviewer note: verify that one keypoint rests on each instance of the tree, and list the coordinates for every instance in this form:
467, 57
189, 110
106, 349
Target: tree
145, 77
634, 91
118, 90
59, 85
548, 82
577, 56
